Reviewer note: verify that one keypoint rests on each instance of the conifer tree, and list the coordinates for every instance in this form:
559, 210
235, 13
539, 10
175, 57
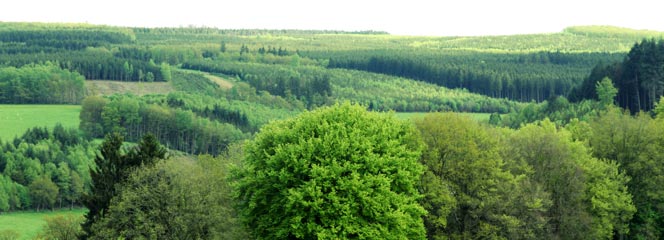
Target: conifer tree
113, 168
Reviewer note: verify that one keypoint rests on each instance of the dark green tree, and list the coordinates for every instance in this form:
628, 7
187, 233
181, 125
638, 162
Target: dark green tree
108, 172
147, 153
168, 201
91, 116
333, 173
113, 167
43, 192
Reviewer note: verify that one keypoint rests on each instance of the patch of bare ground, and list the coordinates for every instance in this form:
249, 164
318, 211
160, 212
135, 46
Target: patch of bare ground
223, 83
104, 87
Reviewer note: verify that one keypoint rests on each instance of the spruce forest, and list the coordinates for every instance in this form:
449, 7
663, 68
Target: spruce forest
206, 133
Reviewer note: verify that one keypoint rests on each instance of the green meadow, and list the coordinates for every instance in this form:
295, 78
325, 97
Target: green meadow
15, 119
29, 224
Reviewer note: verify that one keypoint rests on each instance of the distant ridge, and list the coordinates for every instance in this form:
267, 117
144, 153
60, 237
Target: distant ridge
611, 31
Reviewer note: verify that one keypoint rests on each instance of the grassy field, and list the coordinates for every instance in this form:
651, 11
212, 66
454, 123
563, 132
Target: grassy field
29, 224
476, 116
15, 119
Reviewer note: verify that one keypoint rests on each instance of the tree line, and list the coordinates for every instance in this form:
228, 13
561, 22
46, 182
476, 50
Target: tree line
342, 171
522, 77
178, 129
639, 77
44, 169
311, 87
45, 84
95, 63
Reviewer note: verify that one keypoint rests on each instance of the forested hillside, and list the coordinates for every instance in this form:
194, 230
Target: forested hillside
290, 134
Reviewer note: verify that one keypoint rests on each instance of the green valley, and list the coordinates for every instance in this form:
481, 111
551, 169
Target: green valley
207, 133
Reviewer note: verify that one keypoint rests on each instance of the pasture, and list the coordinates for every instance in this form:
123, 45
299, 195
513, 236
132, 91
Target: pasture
15, 119
28, 224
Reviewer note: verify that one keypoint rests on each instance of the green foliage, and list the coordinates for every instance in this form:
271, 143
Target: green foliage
91, 119
40, 84
319, 86
168, 201
635, 143
37, 169
166, 71
61, 227
638, 76
304, 84
247, 115
557, 109
517, 76
177, 128
606, 92
43, 192
112, 169
589, 196
659, 108
336, 172
465, 186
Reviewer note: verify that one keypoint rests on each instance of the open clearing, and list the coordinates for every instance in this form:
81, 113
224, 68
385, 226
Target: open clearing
15, 119
103, 87
223, 83
220, 81
28, 224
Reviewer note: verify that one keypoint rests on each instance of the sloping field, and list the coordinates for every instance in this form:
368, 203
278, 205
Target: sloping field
223, 83
28, 224
15, 119
103, 87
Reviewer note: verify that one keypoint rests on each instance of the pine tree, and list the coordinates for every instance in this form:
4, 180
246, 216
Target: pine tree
112, 170
108, 172
147, 153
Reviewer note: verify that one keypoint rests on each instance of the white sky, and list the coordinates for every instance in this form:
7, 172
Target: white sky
411, 17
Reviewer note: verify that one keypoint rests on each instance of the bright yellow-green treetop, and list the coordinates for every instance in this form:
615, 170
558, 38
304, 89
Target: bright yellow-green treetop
338, 172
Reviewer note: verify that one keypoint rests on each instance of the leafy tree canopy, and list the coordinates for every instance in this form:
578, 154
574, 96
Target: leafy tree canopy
336, 172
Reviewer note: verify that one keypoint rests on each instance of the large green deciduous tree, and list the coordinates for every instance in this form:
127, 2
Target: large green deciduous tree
589, 196
467, 190
636, 144
333, 173
43, 192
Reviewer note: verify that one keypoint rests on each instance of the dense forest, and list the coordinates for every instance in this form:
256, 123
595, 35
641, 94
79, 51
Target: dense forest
46, 83
291, 134
639, 76
44, 169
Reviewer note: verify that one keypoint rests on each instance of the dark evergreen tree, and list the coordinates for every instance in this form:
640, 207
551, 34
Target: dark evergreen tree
104, 178
113, 168
147, 153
